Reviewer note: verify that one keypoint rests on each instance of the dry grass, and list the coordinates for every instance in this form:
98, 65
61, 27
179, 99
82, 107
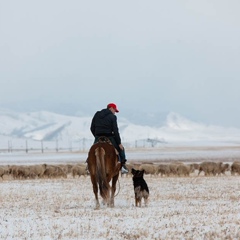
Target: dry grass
179, 208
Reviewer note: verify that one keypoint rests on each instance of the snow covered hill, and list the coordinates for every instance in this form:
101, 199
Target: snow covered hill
48, 126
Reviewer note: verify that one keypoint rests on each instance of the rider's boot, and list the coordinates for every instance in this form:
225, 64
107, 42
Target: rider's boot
124, 168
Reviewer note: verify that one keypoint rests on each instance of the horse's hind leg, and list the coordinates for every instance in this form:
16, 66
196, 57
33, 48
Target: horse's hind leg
112, 198
106, 194
113, 190
96, 198
95, 190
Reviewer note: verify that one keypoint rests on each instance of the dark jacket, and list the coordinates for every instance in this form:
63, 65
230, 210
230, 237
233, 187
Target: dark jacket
104, 123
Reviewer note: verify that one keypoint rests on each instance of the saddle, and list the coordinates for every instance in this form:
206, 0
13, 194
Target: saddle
104, 139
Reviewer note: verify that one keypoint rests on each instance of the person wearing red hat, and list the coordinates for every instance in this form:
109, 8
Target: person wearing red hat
104, 123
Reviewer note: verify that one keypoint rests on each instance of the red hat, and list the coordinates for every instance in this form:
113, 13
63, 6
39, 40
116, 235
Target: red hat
113, 105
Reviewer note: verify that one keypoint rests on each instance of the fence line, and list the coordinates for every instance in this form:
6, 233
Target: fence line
28, 145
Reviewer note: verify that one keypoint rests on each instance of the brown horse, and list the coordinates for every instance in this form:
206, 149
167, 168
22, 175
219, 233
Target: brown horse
103, 166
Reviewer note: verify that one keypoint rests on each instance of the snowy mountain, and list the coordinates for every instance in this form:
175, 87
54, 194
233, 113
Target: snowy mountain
48, 126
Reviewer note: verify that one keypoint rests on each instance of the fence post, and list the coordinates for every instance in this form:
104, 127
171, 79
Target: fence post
42, 145
56, 145
9, 146
26, 146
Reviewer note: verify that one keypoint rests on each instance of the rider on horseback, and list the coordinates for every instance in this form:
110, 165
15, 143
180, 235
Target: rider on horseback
104, 123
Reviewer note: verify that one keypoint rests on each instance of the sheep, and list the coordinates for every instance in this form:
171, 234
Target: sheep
79, 170
37, 170
54, 171
67, 168
223, 168
235, 168
49, 171
184, 170
194, 166
13, 171
59, 173
210, 168
23, 172
149, 168
4, 170
173, 167
163, 169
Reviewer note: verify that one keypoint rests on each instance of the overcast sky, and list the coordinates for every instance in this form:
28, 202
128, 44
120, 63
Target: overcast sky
69, 56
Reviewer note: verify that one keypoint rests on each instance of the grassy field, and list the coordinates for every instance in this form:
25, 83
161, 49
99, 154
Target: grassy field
179, 208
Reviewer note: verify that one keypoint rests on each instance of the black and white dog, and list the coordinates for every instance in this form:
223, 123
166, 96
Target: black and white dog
140, 188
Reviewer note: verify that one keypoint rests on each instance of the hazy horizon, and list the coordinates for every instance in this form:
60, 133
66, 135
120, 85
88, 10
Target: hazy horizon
147, 57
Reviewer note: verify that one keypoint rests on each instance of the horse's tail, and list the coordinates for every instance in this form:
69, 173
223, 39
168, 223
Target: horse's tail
101, 173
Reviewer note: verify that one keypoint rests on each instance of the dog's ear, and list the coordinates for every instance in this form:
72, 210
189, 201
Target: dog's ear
133, 171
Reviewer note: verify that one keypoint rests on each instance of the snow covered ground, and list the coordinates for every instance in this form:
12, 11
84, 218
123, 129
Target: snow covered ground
179, 207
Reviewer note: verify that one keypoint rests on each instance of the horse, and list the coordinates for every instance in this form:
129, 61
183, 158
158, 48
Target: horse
103, 166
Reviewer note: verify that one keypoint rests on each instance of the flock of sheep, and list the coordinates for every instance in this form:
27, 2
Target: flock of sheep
176, 168
43, 171
181, 169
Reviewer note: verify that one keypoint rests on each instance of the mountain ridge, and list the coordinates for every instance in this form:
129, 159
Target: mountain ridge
49, 126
